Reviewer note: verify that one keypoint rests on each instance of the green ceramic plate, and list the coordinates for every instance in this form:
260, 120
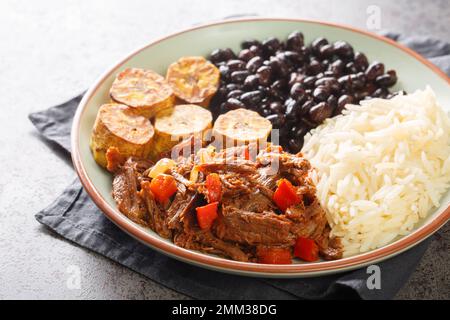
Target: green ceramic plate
414, 73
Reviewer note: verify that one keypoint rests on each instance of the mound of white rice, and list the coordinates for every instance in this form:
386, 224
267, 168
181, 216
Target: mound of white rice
380, 167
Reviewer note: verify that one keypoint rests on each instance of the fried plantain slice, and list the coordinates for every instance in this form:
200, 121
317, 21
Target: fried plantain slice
145, 91
118, 126
241, 126
186, 120
193, 80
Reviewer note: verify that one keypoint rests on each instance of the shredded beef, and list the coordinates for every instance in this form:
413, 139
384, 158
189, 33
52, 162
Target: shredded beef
126, 185
248, 218
252, 228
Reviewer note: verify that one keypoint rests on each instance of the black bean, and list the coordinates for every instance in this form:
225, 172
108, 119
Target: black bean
320, 112
277, 107
279, 67
251, 98
318, 43
342, 102
360, 95
274, 63
308, 82
295, 145
295, 41
264, 91
277, 120
276, 93
305, 122
293, 131
221, 109
254, 63
225, 72
332, 101
233, 104
235, 94
314, 67
350, 67
293, 109
321, 93
306, 107
246, 55
329, 73
297, 92
357, 81
387, 80
257, 50
294, 57
246, 44
329, 82
271, 45
298, 131
235, 64
337, 67
326, 51
380, 93
265, 112
374, 70
264, 73
251, 82
229, 54
233, 86
296, 77
393, 94
320, 75
345, 82
361, 61
343, 49
279, 84
239, 76
220, 55
221, 63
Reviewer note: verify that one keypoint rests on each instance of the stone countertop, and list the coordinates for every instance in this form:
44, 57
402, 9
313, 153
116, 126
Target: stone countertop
52, 50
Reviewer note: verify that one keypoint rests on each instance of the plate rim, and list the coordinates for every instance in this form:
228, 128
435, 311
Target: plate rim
226, 265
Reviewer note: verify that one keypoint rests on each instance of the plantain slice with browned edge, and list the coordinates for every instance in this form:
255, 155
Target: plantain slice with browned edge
118, 126
145, 91
193, 80
239, 127
185, 121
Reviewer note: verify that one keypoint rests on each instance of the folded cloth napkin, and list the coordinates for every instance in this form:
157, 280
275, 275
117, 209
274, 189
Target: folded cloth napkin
75, 217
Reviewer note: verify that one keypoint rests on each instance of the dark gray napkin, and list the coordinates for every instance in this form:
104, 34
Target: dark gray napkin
74, 216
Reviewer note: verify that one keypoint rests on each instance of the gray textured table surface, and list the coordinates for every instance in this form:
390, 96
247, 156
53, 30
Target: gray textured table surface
52, 51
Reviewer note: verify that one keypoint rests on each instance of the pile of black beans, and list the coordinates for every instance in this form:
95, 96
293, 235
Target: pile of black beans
296, 86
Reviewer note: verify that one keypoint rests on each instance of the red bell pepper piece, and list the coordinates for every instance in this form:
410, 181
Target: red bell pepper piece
286, 195
206, 215
274, 255
214, 187
306, 249
247, 153
163, 186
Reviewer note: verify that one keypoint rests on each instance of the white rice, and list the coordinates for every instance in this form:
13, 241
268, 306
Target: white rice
380, 167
